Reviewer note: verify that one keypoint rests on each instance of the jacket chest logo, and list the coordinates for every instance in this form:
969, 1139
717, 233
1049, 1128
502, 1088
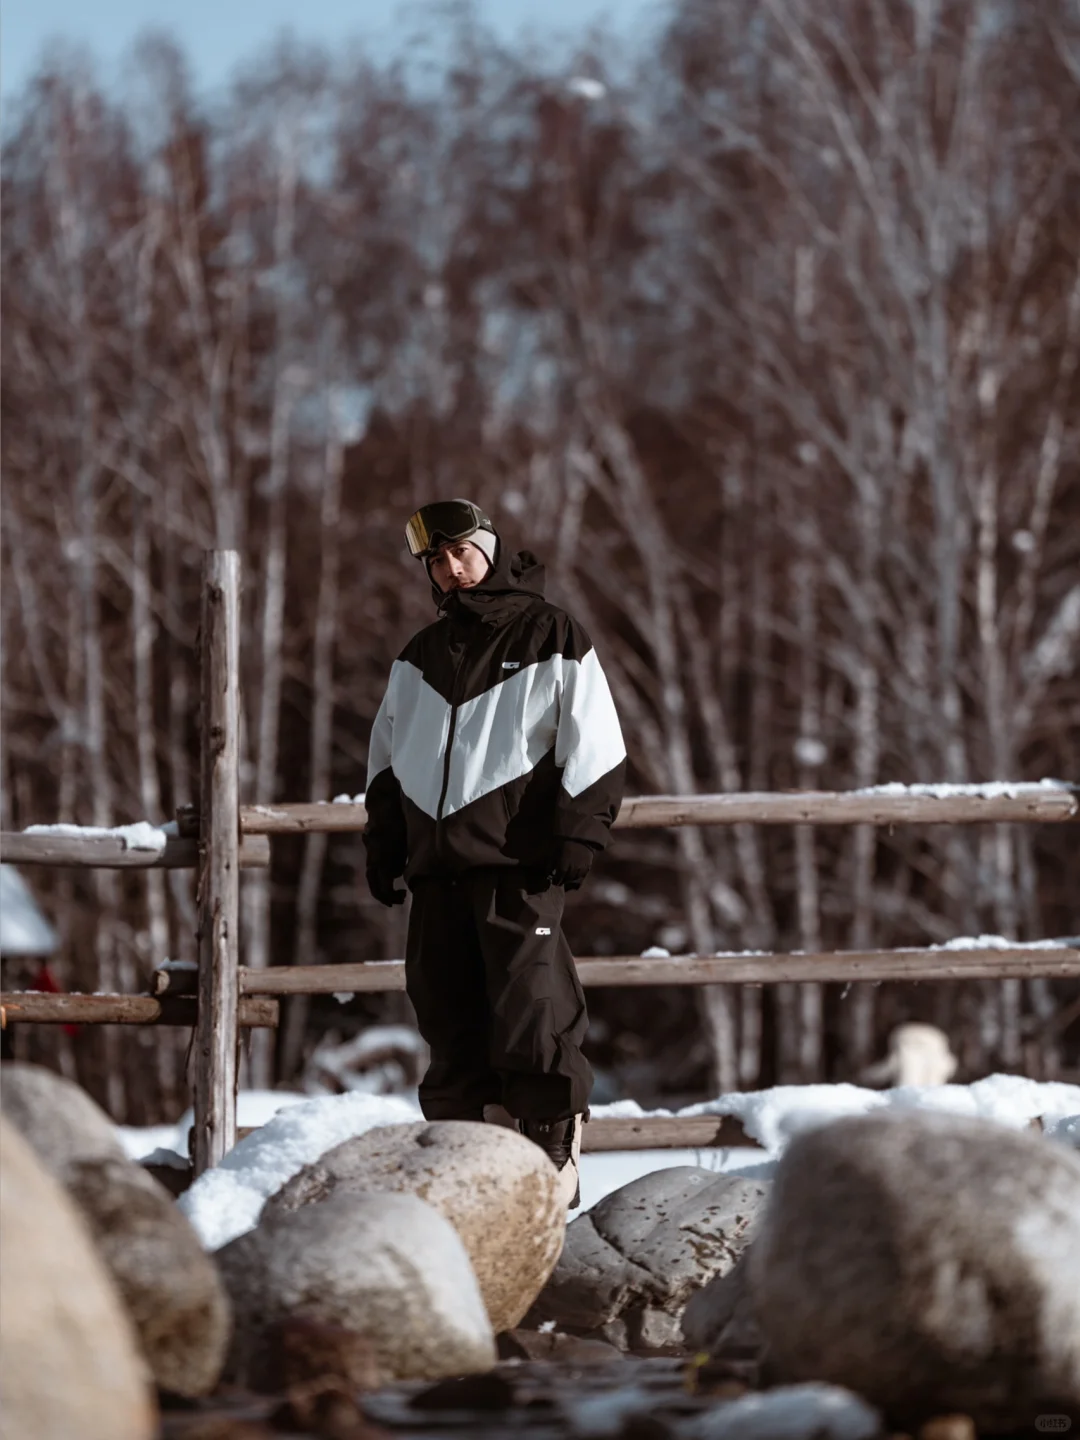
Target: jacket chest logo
511, 664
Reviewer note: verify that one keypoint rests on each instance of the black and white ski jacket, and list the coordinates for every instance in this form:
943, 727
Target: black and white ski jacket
497, 737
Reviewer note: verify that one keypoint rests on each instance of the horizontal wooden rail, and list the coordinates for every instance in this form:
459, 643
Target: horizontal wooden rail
845, 966
664, 1132
961, 806
108, 852
38, 1008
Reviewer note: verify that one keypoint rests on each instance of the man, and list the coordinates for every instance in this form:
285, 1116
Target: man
495, 772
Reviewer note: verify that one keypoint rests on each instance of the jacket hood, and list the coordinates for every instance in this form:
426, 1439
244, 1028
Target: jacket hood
511, 583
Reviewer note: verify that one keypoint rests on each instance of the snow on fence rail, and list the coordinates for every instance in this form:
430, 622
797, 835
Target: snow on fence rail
222, 996
88, 847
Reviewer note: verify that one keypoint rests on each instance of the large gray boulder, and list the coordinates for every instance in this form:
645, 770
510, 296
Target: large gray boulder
643, 1250
171, 1287
498, 1190
69, 1363
930, 1262
387, 1267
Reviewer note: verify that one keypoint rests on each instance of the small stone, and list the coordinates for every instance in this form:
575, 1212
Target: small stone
300, 1351
326, 1409
656, 1331
469, 1392
949, 1427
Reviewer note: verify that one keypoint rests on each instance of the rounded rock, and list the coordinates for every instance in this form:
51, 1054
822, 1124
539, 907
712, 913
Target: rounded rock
930, 1262
70, 1363
386, 1267
497, 1189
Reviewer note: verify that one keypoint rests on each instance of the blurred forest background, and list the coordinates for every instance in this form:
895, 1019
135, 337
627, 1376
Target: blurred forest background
766, 341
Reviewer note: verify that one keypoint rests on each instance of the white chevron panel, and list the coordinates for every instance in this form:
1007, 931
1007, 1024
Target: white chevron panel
504, 733
421, 723
590, 741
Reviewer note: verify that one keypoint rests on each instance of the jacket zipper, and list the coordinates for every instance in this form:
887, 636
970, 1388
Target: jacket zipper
450, 735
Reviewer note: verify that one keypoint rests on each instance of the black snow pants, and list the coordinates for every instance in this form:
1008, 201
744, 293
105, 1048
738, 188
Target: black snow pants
497, 997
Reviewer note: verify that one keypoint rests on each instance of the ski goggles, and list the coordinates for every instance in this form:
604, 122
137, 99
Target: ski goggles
442, 523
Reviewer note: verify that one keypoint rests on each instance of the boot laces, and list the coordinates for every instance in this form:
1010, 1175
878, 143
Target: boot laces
555, 1138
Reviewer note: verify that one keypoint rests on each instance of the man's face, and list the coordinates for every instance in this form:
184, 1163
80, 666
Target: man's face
458, 566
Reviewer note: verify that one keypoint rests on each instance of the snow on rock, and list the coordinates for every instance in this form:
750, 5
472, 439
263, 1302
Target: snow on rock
221, 1208
140, 836
228, 1200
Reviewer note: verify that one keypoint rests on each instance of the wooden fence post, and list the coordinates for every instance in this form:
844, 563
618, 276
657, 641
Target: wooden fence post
219, 870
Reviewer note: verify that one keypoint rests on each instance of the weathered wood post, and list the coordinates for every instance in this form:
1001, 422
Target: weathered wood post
219, 861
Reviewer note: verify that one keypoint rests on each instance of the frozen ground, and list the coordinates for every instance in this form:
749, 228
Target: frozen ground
295, 1130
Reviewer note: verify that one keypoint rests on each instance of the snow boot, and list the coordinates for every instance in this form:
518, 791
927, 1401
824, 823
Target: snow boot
499, 1115
560, 1141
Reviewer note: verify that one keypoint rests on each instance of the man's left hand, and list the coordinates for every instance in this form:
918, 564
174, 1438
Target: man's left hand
573, 861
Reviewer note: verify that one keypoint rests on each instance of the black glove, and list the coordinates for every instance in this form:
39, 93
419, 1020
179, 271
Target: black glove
381, 884
573, 861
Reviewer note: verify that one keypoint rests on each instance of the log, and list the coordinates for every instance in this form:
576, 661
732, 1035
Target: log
845, 966
108, 852
174, 982
39, 1008
662, 1132
219, 875
1026, 803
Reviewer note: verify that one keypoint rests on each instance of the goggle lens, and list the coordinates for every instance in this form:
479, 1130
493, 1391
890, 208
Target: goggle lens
436, 524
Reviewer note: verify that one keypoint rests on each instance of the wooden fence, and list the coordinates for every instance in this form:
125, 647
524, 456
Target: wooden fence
224, 996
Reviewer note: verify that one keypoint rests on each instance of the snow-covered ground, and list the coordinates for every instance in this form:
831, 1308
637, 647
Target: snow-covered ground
295, 1130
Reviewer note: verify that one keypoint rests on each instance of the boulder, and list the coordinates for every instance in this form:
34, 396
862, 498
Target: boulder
387, 1267
497, 1189
930, 1262
70, 1363
169, 1284
719, 1318
171, 1287
58, 1119
647, 1247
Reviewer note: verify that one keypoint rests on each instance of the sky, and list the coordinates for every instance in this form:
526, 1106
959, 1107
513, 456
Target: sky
216, 34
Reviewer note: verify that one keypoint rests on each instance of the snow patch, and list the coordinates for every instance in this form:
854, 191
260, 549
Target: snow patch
586, 87
988, 790
140, 836
226, 1202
